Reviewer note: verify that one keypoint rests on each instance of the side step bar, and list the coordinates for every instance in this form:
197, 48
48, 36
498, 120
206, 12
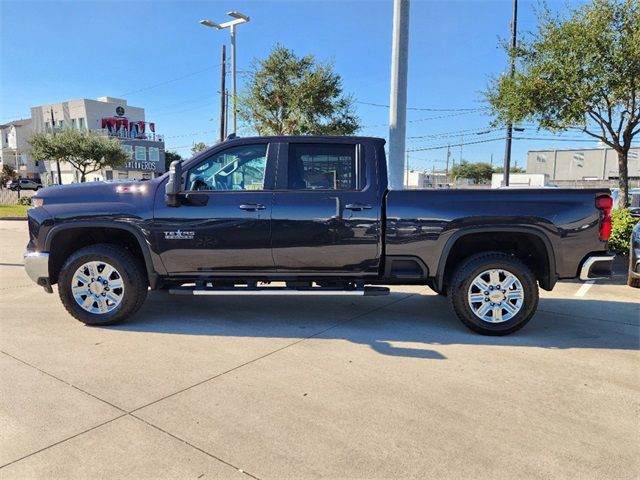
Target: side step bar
317, 291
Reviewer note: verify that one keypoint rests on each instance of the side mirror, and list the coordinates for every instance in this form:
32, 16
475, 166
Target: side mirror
173, 186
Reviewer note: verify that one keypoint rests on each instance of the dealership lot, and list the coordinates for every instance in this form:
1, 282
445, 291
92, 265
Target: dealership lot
295, 387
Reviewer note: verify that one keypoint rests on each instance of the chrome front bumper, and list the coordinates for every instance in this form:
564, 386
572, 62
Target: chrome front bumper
36, 265
596, 266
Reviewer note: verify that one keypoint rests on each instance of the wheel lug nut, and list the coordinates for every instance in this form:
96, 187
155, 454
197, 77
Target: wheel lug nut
486, 299
106, 288
104, 294
491, 287
492, 304
486, 293
504, 291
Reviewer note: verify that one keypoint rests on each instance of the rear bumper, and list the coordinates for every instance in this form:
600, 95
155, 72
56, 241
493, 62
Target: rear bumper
36, 265
596, 266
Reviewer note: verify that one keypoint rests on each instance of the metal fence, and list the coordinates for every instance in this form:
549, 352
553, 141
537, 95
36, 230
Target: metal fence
7, 197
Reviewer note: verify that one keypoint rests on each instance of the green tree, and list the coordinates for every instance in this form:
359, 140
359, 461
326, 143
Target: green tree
198, 147
291, 95
579, 72
478, 172
7, 173
86, 151
170, 156
512, 169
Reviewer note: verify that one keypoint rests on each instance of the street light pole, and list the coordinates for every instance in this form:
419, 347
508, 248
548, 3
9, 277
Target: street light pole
398, 95
231, 25
233, 76
507, 147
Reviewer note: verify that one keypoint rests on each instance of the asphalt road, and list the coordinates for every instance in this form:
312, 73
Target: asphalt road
293, 387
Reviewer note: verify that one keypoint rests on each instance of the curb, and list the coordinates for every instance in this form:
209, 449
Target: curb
13, 218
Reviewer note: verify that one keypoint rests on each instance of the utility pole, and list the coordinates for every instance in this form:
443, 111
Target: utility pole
53, 132
507, 148
222, 93
398, 94
461, 142
226, 113
446, 172
406, 169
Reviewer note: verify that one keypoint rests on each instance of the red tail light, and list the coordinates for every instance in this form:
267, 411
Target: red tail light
604, 204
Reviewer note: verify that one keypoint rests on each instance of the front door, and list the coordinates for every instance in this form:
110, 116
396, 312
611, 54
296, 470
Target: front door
224, 223
326, 210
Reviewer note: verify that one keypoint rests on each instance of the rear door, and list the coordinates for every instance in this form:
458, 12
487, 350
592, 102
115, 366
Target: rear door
326, 209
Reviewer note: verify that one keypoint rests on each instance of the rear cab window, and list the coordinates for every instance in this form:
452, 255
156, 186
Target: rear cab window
325, 166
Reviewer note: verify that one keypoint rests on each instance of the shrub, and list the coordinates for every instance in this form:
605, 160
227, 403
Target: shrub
621, 227
24, 200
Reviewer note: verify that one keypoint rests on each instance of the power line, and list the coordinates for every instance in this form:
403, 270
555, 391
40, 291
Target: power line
169, 81
421, 109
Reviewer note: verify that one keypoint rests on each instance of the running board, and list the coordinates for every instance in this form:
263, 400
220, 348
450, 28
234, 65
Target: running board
316, 291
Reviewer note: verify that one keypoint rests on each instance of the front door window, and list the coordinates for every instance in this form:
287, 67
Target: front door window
237, 168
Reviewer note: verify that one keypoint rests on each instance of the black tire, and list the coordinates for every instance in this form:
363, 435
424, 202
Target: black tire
131, 271
467, 272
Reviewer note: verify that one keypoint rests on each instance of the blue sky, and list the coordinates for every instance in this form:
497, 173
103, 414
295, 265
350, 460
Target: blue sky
157, 56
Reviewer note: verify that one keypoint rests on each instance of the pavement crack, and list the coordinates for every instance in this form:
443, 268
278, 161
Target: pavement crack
193, 446
64, 381
249, 362
62, 441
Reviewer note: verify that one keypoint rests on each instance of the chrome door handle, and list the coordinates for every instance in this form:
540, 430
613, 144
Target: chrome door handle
357, 207
252, 207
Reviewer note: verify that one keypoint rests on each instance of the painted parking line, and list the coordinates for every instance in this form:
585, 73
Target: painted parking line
582, 291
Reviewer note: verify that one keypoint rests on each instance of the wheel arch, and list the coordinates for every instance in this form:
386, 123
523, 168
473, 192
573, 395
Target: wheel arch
526, 243
62, 240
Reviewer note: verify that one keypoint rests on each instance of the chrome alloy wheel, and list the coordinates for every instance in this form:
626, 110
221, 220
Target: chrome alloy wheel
97, 287
495, 296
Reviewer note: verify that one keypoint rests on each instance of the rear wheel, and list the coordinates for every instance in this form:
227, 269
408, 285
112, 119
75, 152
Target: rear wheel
102, 284
494, 293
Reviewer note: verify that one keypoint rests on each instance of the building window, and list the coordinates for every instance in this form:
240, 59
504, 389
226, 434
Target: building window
123, 176
61, 124
47, 127
141, 153
154, 154
81, 123
541, 158
128, 149
74, 124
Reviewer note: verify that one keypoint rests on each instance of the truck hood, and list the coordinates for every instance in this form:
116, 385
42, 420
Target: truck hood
99, 199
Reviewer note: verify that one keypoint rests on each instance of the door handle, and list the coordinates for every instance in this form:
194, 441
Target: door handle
252, 207
357, 207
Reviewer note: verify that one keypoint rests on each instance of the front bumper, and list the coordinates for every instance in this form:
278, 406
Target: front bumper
596, 266
36, 265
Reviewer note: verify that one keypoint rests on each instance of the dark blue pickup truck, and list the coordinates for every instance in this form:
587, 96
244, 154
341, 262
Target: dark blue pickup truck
314, 216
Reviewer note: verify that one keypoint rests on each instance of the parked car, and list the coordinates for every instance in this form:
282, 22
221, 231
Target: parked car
316, 214
633, 278
24, 184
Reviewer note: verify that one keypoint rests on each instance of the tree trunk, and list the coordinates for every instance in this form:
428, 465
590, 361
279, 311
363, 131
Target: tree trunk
623, 175
83, 177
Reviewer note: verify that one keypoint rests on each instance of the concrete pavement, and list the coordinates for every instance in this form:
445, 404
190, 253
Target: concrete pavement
293, 387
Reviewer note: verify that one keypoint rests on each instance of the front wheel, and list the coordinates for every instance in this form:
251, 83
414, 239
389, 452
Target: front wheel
494, 293
102, 284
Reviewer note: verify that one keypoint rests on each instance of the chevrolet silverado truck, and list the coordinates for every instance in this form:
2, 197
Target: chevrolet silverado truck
310, 215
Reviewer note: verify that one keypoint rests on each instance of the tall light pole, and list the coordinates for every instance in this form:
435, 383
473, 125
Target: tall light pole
398, 96
231, 25
512, 71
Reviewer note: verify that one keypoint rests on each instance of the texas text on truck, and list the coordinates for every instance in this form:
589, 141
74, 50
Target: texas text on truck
311, 215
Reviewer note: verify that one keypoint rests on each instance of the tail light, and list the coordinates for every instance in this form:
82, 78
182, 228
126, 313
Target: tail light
604, 204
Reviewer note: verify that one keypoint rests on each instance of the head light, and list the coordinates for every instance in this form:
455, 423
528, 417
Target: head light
37, 202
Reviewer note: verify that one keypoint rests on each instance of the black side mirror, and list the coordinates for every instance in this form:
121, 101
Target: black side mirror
172, 189
635, 212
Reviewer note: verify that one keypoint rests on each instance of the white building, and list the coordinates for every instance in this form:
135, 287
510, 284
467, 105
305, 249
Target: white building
108, 116
15, 148
417, 179
587, 164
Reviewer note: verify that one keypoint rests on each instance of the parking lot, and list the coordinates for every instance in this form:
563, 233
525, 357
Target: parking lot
294, 387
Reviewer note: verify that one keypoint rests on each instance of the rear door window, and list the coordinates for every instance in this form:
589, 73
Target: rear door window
324, 166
